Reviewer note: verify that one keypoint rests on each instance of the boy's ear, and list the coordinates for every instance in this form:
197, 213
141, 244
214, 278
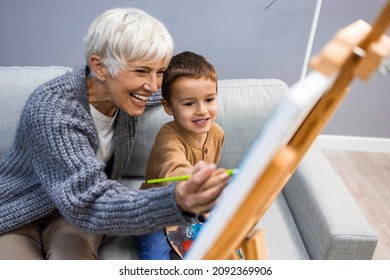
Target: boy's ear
97, 66
167, 107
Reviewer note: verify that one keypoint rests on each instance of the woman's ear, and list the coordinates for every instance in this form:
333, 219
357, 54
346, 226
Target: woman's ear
98, 68
167, 107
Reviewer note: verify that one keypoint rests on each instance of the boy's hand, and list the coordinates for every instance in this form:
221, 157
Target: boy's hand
199, 194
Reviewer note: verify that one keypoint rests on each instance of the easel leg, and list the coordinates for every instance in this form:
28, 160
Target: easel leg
254, 246
234, 256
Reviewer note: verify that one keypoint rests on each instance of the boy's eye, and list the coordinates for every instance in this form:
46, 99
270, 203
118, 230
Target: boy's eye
209, 100
188, 104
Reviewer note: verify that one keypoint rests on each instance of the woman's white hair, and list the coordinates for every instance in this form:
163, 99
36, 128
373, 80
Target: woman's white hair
127, 34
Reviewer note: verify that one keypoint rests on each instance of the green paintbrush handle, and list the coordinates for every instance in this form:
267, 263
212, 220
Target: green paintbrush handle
182, 178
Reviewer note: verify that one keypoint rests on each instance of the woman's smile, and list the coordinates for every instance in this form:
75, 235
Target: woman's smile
138, 99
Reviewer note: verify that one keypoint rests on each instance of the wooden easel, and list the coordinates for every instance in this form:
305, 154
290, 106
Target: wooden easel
357, 58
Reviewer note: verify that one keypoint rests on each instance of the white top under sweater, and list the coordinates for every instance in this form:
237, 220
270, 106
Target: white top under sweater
106, 129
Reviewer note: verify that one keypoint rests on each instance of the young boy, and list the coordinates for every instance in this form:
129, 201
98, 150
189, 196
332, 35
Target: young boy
189, 91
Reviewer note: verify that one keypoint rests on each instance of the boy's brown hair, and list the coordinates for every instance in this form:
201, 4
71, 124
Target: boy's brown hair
186, 65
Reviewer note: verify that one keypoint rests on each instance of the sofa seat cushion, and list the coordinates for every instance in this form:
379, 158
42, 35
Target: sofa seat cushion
282, 236
120, 248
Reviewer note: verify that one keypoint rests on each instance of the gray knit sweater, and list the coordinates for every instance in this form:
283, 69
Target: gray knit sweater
53, 165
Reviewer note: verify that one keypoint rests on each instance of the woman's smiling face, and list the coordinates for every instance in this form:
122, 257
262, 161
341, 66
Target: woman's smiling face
133, 86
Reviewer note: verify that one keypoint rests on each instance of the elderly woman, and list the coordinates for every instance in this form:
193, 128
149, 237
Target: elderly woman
59, 193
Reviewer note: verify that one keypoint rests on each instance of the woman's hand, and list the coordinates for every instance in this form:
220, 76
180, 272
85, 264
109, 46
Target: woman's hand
199, 194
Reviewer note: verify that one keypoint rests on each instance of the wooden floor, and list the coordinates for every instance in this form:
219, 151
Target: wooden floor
367, 176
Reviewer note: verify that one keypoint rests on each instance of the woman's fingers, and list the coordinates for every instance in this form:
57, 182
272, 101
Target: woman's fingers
219, 178
199, 193
200, 174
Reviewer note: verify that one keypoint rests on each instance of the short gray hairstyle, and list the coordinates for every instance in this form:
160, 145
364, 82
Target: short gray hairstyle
127, 34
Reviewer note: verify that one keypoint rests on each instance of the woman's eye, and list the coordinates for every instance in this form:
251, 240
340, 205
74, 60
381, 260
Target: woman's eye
141, 71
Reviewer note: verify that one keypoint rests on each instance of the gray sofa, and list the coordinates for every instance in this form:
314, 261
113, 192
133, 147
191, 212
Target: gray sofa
314, 217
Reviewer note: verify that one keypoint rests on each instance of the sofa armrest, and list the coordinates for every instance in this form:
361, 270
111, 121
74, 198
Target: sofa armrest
330, 222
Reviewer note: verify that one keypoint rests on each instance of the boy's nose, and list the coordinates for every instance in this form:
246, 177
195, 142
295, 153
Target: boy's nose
201, 109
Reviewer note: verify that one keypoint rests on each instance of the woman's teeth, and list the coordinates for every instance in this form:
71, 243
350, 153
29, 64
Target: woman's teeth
140, 97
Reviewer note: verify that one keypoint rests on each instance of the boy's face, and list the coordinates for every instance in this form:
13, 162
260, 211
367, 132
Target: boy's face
193, 104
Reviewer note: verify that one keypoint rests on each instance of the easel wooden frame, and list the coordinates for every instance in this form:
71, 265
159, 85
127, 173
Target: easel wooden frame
239, 232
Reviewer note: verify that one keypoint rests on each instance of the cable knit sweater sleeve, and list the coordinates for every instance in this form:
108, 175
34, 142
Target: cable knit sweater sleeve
58, 141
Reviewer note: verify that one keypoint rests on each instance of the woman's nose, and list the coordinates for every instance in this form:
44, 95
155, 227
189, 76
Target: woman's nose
151, 83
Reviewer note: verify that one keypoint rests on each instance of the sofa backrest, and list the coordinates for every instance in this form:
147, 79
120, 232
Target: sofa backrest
16, 85
243, 107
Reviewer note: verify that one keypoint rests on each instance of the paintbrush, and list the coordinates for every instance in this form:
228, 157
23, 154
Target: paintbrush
231, 172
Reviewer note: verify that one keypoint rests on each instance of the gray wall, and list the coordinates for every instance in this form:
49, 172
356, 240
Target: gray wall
242, 39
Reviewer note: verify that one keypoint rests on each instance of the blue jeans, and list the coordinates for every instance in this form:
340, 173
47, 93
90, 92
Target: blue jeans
153, 246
